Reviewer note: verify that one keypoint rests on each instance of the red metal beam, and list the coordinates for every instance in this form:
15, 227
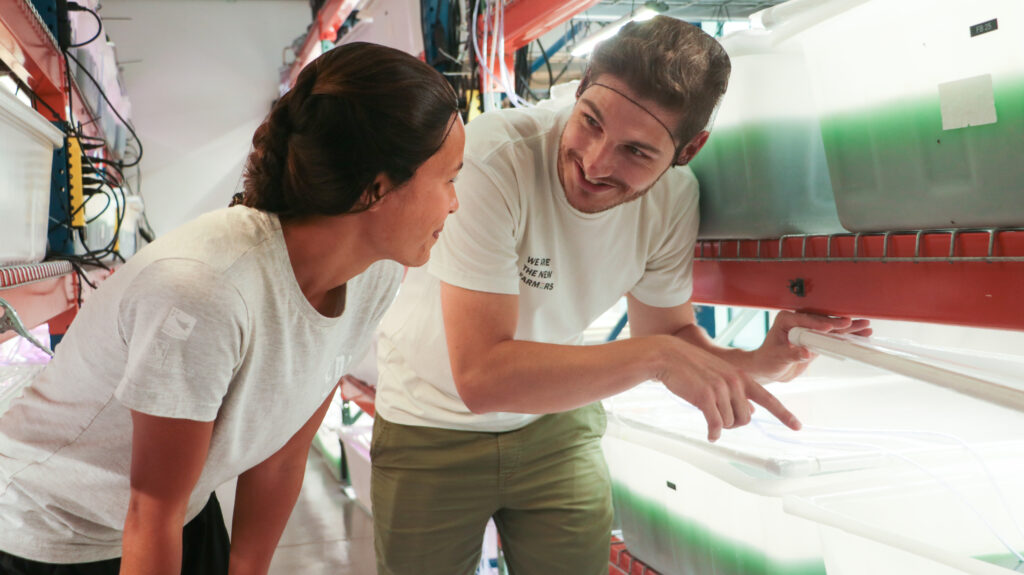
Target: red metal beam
44, 292
935, 288
359, 392
36, 303
27, 47
527, 20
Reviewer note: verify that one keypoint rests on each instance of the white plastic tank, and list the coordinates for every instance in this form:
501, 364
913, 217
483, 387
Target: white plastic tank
27, 142
922, 110
763, 171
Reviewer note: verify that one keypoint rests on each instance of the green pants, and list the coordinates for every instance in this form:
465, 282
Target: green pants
546, 486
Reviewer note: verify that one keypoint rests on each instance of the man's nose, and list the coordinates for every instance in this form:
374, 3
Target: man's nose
598, 161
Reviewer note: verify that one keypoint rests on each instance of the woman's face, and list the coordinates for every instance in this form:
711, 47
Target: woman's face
413, 214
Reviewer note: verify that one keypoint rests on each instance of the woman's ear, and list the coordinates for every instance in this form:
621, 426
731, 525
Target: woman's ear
376, 192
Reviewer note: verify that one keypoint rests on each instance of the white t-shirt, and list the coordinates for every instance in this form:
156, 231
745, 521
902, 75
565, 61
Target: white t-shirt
516, 233
207, 323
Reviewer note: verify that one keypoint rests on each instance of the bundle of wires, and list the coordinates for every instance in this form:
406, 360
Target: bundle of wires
489, 47
487, 43
100, 176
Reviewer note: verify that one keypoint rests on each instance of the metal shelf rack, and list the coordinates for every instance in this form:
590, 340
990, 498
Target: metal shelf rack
961, 277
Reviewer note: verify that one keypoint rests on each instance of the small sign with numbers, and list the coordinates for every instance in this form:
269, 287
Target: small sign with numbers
984, 27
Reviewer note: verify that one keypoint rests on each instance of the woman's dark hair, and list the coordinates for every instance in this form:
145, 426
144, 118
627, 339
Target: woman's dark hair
357, 111
671, 62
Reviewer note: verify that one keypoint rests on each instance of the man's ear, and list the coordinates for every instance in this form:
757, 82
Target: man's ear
376, 192
690, 150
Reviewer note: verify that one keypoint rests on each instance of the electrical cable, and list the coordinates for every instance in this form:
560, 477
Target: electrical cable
547, 62
488, 58
99, 215
569, 62
115, 196
507, 83
99, 23
62, 125
111, 106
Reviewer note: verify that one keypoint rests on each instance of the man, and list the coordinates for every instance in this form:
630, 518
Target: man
562, 213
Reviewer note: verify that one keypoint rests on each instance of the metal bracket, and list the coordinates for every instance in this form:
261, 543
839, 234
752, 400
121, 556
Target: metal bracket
10, 321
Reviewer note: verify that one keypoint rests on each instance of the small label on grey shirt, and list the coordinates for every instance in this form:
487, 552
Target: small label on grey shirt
178, 324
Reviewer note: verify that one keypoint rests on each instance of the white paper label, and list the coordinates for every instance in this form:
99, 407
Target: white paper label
967, 102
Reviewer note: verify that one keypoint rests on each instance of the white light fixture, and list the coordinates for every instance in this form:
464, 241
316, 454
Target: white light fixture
587, 45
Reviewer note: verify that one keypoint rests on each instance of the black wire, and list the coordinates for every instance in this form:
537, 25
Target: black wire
121, 212
99, 27
94, 257
573, 35
81, 272
68, 90
103, 211
547, 62
521, 72
474, 67
112, 108
116, 167
37, 100
564, 69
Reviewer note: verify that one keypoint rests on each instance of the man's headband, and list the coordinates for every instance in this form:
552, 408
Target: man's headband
583, 88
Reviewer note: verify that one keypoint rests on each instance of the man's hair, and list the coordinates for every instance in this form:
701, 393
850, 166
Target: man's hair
670, 62
355, 112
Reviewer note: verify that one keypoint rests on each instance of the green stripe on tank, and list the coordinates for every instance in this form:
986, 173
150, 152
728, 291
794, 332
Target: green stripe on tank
1005, 560
668, 542
893, 166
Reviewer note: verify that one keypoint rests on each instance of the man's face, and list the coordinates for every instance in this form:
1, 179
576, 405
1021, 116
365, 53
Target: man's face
613, 150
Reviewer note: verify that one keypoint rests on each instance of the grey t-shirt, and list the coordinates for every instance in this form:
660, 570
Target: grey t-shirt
209, 324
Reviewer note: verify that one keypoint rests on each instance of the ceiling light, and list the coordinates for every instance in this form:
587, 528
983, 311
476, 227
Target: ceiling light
648, 11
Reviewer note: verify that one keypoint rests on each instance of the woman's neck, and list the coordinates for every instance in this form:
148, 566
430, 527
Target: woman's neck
325, 253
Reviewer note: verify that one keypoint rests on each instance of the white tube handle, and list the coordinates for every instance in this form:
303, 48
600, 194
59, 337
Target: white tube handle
909, 365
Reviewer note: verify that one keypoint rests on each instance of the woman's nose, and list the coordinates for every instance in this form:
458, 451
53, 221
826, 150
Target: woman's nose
453, 203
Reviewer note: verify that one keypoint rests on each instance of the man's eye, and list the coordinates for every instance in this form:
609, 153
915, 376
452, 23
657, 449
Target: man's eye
590, 120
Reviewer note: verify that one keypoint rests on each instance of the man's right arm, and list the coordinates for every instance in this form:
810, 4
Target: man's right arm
495, 372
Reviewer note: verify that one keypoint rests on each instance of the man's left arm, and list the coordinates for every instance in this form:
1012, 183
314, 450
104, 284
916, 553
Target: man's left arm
265, 497
775, 360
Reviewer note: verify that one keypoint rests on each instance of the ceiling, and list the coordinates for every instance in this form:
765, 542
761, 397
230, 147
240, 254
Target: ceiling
691, 10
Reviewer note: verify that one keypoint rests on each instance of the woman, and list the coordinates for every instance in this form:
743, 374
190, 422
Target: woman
215, 351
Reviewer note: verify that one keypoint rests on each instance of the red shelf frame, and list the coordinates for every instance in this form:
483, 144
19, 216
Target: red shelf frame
970, 278
527, 20
38, 292
524, 22
31, 51
359, 392
325, 27
46, 292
